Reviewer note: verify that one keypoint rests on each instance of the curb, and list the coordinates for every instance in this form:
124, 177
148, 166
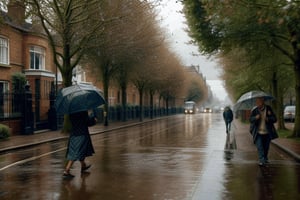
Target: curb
286, 150
95, 132
3, 150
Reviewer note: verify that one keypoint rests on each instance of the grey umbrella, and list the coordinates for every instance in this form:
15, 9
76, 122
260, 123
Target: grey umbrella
79, 97
247, 100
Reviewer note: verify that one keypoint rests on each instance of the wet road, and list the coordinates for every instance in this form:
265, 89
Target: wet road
180, 157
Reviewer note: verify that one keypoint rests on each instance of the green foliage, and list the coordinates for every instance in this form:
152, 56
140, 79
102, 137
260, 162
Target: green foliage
204, 33
284, 133
4, 131
261, 30
18, 82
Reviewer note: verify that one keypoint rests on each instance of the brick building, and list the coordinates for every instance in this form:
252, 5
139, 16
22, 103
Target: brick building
24, 50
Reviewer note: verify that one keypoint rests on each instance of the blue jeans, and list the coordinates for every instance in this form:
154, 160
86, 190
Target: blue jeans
228, 126
263, 143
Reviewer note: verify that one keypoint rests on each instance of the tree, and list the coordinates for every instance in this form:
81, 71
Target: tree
243, 73
245, 24
173, 79
18, 88
67, 24
140, 35
196, 91
122, 43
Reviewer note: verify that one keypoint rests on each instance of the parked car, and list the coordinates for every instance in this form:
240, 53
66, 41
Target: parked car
289, 113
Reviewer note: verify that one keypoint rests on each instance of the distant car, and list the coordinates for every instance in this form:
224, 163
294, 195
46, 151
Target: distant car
207, 110
190, 107
289, 113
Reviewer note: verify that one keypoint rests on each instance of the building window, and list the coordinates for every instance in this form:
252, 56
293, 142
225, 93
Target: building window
37, 58
3, 51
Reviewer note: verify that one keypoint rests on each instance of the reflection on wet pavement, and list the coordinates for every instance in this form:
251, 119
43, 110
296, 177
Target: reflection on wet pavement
178, 158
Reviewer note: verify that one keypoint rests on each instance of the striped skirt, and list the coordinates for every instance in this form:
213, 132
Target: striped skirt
79, 147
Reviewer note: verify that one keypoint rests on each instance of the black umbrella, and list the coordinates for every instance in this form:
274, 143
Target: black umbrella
247, 100
79, 97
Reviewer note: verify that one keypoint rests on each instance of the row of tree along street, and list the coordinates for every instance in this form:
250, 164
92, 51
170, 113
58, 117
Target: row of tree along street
119, 41
257, 43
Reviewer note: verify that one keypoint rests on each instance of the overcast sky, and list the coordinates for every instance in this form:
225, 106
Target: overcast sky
174, 23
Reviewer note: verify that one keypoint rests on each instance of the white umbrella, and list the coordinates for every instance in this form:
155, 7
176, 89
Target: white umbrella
247, 100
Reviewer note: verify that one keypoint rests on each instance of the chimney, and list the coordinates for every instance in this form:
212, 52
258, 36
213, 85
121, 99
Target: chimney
16, 11
36, 24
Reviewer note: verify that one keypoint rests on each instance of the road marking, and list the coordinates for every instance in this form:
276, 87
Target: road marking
30, 159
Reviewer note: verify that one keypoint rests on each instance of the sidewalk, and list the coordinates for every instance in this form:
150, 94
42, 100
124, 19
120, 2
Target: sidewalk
244, 141
21, 141
242, 136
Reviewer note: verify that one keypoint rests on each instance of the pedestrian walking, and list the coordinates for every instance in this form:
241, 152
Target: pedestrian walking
80, 144
262, 119
228, 117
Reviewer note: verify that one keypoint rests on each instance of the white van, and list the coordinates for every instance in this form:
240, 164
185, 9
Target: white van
289, 113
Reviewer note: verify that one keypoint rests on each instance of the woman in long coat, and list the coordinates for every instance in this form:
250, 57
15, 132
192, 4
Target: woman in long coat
80, 144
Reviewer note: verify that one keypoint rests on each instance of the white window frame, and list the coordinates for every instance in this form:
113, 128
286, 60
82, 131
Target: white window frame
37, 58
5, 86
4, 50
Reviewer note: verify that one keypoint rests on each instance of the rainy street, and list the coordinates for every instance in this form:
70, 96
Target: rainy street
175, 158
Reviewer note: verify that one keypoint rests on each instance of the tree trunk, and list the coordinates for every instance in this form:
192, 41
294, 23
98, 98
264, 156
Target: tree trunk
296, 61
67, 81
296, 131
141, 91
151, 104
124, 102
167, 105
105, 79
278, 103
279, 113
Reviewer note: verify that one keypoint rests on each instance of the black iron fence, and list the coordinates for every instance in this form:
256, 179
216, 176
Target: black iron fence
116, 113
19, 106
11, 105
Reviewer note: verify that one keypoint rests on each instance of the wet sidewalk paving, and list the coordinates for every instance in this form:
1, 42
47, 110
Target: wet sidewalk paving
245, 143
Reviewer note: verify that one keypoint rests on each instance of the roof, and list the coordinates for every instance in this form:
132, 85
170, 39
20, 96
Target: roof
26, 27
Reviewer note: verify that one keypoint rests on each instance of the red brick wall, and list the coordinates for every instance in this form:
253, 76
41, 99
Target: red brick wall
14, 125
19, 58
36, 40
15, 53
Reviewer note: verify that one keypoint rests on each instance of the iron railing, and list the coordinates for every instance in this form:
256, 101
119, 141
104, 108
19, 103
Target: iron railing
11, 105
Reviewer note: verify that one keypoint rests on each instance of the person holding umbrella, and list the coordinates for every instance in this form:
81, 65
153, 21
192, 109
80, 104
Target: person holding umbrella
80, 144
75, 101
262, 119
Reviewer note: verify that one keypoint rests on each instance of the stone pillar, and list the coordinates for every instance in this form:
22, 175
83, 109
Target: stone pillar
52, 115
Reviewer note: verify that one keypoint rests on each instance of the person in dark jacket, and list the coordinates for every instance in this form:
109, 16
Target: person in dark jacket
262, 119
228, 117
80, 144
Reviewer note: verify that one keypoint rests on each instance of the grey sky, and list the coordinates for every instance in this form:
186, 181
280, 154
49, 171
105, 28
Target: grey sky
174, 22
